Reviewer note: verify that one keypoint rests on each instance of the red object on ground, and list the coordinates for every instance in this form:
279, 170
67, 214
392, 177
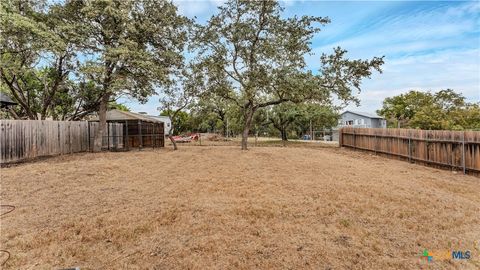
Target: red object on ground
186, 138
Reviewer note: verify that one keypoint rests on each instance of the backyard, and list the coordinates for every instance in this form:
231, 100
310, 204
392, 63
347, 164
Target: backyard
216, 207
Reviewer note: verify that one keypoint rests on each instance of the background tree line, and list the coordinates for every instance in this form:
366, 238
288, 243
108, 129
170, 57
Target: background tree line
67, 59
285, 121
444, 109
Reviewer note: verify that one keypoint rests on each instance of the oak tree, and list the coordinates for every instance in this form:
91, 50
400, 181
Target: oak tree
260, 55
131, 47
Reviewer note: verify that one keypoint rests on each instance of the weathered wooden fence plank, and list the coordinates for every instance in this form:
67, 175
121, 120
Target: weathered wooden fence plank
26, 139
455, 149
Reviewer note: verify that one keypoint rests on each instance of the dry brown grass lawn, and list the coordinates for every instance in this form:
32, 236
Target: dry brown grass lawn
220, 208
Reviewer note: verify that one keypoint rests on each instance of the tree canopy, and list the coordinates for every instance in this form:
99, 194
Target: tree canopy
445, 109
67, 59
37, 58
246, 69
300, 117
255, 58
132, 47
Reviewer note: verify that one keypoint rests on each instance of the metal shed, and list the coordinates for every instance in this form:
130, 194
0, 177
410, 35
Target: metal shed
138, 130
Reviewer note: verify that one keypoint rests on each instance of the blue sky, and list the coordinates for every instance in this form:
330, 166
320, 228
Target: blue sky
428, 45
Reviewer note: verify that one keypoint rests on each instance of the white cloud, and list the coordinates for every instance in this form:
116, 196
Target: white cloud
458, 70
428, 50
197, 8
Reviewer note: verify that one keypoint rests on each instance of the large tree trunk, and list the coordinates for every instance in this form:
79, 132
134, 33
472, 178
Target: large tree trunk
102, 124
221, 116
284, 134
246, 128
13, 113
170, 136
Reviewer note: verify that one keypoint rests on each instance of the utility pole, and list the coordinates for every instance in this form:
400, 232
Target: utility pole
311, 131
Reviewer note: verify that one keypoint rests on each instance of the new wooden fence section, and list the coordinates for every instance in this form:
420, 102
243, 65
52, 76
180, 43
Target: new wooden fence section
459, 150
27, 139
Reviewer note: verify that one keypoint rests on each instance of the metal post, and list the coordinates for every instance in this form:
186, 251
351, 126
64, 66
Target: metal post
153, 136
115, 137
140, 139
463, 153
108, 136
126, 135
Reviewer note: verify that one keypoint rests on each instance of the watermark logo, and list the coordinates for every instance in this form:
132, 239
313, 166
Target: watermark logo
446, 255
427, 255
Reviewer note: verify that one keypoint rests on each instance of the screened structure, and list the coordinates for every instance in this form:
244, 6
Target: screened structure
138, 130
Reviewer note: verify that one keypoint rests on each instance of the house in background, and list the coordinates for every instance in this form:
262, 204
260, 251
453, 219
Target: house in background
166, 120
361, 120
6, 104
6, 101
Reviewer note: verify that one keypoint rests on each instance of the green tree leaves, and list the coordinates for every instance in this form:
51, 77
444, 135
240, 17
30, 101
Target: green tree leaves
445, 109
260, 57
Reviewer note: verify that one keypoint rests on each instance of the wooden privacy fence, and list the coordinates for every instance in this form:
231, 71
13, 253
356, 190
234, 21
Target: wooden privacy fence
26, 139
453, 149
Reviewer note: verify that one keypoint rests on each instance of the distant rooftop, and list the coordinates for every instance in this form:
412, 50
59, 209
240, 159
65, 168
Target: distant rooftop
159, 116
366, 114
4, 99
117, 115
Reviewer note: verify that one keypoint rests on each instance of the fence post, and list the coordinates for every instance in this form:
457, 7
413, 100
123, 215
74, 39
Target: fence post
463, 153
354, 140
410, 146
340, 137
69, 138
89, 145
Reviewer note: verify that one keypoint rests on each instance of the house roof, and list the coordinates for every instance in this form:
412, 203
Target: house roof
160, 117
117, 115
366, 114
6, 100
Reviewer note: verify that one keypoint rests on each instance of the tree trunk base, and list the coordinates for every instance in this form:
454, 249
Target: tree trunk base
174, 143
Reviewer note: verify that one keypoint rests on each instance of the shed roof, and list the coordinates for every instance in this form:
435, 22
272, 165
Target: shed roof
117, 115
6, 100
160, 117
366, 114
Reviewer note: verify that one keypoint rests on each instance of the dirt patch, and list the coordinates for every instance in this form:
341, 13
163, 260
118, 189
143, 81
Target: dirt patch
221, 208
